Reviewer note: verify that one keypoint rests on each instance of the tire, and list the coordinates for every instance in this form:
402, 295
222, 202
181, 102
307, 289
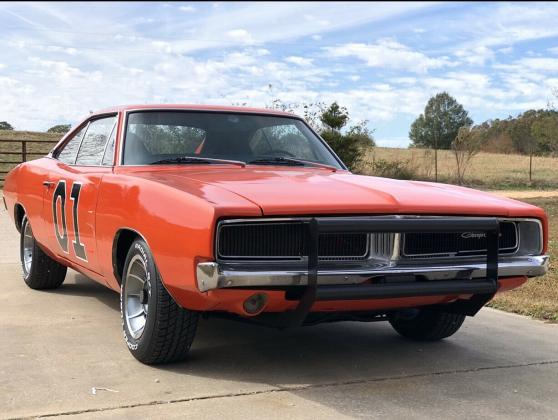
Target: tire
40, 272
426, 325
155, 328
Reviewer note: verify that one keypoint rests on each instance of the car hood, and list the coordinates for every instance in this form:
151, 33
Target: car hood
294, 191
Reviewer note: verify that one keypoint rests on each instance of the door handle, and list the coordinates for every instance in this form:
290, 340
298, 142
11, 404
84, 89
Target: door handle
48, 184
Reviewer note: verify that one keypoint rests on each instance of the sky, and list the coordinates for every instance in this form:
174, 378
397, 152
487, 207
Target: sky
382, 61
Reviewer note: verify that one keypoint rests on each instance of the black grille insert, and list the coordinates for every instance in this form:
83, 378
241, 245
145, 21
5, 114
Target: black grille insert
460, 243
286, 240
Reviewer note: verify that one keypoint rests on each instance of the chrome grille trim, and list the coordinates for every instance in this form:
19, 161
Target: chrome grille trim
381, 244
468, 253
293, 257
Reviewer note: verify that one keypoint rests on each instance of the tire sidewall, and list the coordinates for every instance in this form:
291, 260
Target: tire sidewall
141, 345
26, 274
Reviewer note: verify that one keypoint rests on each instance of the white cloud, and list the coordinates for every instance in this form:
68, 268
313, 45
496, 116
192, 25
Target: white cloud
59, 49
56, 70
476, 55
187, 9
404, 80
162, 46
388, 53
241, 35
506, 50
299, 61
544, 64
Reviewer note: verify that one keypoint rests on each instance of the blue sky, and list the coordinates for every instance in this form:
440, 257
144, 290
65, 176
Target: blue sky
381, 60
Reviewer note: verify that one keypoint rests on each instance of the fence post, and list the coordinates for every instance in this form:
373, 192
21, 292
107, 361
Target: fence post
23, 151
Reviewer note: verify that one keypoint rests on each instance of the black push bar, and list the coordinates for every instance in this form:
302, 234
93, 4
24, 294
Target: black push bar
321, 225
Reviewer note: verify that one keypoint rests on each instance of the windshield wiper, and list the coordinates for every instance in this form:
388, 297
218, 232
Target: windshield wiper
197, 160
290, 161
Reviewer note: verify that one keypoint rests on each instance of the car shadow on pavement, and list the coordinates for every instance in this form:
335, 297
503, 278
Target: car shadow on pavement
327, 353
77, 284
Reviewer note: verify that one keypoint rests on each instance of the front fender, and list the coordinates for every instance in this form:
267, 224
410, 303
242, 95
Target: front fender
177, 225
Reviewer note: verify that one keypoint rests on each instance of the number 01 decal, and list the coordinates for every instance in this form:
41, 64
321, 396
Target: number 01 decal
62, 237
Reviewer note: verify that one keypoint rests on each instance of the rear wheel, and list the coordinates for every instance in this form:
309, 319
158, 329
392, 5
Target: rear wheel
425, 324
39, 270
155, 328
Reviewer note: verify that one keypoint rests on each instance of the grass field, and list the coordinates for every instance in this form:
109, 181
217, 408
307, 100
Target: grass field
538, 297
487, 170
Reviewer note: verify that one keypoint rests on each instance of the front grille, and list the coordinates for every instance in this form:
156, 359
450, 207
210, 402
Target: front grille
286, 240
458, 244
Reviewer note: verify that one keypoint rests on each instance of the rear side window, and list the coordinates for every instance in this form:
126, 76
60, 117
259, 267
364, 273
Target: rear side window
70, 149
93, 145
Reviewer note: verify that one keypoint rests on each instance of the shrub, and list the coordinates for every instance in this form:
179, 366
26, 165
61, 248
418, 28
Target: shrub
399, 169
347, 148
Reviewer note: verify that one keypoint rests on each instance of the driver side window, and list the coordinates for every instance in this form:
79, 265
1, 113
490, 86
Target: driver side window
281, 140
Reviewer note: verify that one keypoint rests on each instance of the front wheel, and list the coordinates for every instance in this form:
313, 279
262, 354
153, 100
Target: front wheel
40, 272
155, 328
425, 324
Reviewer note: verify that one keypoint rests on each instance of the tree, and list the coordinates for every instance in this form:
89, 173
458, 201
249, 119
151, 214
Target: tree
466, 145
349, 146
4, 125
330, 121
335, 117
438, 126
522, 136
60, 128
545, 133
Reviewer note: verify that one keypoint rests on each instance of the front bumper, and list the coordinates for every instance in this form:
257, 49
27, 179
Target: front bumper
212, 275
478, 280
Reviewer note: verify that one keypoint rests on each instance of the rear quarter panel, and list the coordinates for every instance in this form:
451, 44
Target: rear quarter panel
24, 186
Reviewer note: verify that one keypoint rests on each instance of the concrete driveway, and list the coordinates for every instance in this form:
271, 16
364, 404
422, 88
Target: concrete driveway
56, 346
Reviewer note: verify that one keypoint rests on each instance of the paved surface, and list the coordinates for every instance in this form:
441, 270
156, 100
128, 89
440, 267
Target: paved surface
55, 346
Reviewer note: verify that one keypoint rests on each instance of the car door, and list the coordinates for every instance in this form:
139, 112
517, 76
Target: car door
71, 192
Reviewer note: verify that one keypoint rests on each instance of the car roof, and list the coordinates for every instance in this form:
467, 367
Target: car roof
193, 107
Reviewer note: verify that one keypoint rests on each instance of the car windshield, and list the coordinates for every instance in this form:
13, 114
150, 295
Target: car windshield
162, 137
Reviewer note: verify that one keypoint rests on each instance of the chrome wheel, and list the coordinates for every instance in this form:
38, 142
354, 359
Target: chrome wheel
137, 292
28, 244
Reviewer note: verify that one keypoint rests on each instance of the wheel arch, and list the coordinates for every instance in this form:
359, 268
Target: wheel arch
19, 214
120, 246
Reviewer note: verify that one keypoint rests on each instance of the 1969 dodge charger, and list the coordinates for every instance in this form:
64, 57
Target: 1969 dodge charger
191, 211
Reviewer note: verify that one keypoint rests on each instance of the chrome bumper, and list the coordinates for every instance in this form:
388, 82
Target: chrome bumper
211, 275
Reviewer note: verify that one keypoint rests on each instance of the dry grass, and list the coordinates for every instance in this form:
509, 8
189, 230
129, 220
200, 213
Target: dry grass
538, 297
487, 170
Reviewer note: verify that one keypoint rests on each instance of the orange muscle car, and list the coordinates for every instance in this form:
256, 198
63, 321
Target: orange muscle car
247, 213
